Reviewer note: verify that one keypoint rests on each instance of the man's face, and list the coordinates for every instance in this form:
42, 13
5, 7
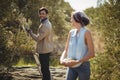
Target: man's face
42, 14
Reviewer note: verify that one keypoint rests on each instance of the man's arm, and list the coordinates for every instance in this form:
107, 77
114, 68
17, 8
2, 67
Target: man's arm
41, 34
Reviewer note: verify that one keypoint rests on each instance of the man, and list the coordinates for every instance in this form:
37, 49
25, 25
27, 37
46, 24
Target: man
44, 41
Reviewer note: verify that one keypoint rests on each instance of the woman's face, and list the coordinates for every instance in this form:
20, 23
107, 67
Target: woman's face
42, 14
73, 20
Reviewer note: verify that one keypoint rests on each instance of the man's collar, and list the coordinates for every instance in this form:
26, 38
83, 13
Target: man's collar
43, 20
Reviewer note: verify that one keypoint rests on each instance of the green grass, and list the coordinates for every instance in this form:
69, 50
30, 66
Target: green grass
22, 62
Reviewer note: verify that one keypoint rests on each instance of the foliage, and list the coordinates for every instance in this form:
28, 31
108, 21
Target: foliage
15, 43
58, 15
5, 53
54, 61
106, 18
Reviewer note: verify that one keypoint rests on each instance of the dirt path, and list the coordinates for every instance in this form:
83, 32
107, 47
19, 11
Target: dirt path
31, 73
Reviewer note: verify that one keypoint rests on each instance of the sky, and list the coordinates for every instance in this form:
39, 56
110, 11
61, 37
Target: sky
80, 5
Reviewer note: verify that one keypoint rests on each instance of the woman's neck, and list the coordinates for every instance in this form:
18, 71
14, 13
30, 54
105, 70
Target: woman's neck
78, 27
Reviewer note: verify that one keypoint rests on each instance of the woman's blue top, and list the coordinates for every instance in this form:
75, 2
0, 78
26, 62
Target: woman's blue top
77, 48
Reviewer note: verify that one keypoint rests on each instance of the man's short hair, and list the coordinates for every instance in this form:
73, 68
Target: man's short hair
43, 9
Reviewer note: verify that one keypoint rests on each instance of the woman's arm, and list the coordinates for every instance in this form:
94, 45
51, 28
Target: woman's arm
89, 43
64, 54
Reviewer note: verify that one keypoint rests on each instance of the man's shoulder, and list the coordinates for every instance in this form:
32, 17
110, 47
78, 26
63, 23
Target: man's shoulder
47, 26
47, 23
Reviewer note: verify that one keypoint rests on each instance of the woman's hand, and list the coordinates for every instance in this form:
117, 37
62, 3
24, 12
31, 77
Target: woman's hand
63, 62
69, 62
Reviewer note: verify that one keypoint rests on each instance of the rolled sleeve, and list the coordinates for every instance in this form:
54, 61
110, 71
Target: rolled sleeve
34, 36
42, 32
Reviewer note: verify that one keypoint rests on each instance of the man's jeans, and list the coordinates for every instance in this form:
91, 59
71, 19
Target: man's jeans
82, 72
44, 61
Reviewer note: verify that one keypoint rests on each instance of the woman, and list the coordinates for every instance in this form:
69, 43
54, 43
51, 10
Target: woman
79, 49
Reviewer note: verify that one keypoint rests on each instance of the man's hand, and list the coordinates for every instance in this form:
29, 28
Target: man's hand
28, 30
